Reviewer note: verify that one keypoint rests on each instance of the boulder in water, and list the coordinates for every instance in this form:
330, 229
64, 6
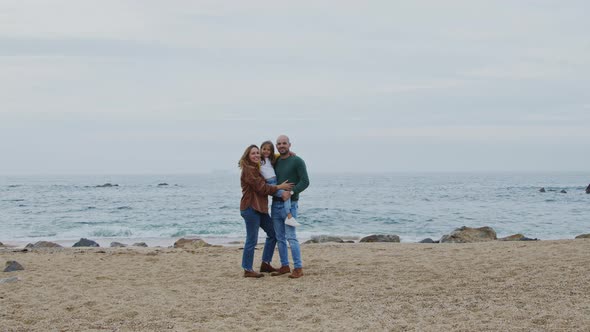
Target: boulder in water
85, 243
380, 238
588, 189
563, 191
583, 236
468, 235
162, 184
107, 185
542, 190
140, 244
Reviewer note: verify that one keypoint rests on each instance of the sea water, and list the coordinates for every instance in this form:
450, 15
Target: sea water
162, 208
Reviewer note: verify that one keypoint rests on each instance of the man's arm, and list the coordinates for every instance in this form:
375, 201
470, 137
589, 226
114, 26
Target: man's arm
303, 178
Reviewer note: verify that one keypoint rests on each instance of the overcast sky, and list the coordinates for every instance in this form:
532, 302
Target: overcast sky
184, 86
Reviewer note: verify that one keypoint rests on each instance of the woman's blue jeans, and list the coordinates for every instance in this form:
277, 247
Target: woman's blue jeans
255, 220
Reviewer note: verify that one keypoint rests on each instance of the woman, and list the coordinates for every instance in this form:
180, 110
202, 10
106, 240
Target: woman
254, 210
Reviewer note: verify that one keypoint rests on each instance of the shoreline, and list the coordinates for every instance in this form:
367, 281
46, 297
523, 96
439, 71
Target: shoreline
168, 242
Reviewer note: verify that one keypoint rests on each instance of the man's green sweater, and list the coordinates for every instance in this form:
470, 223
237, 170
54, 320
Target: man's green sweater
292, 169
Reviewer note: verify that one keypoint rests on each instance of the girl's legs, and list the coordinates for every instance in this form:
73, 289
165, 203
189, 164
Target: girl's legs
290, 215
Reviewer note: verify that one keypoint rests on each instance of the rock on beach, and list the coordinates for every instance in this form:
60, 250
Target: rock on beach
427, 240
12, 266
469, 235
42, 244
516, 237
381, 238
190, 243
8, 280
86, 243
118, 245
324, 239
583, 236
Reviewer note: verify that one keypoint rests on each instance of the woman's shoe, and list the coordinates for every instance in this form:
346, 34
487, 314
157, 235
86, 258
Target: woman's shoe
266, 267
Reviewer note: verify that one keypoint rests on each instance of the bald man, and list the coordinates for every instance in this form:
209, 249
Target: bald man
292, 168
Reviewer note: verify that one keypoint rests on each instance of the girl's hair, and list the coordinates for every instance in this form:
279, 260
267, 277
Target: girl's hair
272, 156
245, 160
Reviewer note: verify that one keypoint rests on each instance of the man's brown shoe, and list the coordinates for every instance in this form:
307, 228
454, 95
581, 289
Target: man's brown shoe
266, 267
297, 273
284, 269
252, 274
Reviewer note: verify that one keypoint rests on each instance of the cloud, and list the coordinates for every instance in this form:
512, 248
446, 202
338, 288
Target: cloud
490, 133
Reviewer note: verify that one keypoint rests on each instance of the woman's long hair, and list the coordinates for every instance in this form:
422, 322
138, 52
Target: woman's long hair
272, 157
245, 160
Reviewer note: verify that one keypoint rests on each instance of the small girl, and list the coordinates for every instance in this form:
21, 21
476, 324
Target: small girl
267, 161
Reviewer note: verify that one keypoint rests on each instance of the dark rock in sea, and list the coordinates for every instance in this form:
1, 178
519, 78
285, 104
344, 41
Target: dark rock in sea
427, 240
542, 190
468, 235
583, 236
1, 244
107, 185
42, 244
162, 184
140, 244
8, 280
588, 189
323, 239
118, 245
12, 266
189, 243
563, 191
380, 238
85, 243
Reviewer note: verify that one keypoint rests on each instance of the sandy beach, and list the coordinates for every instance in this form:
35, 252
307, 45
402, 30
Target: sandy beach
516, 286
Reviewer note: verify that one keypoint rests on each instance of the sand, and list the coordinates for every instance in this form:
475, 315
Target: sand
516, 286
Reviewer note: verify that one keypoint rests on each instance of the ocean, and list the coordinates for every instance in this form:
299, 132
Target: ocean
158, 209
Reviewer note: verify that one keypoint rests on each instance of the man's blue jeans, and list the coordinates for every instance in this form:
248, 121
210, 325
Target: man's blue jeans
286, 233
255, 220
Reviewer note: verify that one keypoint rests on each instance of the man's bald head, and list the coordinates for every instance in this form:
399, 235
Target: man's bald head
283, 137
283, 145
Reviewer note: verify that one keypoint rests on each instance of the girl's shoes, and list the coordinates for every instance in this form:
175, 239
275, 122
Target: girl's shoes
292, 222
